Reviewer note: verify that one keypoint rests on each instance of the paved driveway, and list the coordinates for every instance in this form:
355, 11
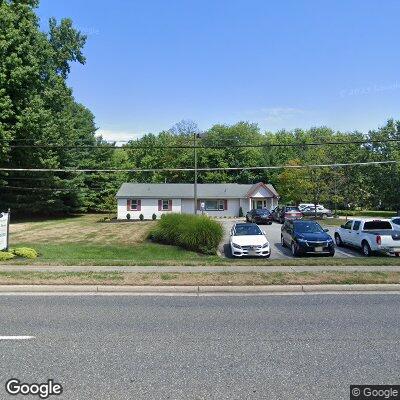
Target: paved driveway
274, 236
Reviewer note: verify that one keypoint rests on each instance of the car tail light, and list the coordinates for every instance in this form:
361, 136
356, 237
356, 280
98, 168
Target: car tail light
378, 240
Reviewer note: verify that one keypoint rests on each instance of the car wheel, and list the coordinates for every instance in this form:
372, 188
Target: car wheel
331, 254
295, 251
268, 256
283, 241
366, 249
338, 240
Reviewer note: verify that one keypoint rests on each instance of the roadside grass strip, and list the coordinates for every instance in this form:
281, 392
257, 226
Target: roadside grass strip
195, 279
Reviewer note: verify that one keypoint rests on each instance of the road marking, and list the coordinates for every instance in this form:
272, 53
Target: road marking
16, 337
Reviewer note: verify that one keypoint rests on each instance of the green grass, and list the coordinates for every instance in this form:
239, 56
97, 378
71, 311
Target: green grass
158, 254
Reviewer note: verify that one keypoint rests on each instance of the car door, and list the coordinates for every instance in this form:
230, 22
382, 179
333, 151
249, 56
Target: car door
287, 232
345, 232
355, 236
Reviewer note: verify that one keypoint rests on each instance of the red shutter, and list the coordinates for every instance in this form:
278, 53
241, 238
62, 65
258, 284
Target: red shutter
225, 205
170, 205
139, 205
159, 205
198, 204
128, 204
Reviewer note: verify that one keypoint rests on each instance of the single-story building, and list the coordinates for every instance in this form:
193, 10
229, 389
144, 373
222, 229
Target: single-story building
215, 199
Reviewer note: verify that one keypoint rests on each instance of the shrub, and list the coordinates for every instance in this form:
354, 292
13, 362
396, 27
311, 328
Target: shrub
240, 212
367, 213
141, 217
154, 217
6, 255
128, 216
25, 252
196, 233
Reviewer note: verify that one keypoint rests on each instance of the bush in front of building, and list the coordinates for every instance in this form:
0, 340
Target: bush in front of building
154, 217
192, 232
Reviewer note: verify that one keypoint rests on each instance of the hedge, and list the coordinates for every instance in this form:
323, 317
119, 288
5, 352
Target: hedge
25, 252
367, 213
6, 255
191, 232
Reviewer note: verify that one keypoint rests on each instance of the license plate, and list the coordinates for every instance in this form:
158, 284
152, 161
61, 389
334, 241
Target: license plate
319, 249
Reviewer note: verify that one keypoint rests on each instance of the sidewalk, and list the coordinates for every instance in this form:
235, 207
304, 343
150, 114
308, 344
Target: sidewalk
218, 269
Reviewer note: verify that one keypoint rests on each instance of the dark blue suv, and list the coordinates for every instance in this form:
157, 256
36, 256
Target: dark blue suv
306, 237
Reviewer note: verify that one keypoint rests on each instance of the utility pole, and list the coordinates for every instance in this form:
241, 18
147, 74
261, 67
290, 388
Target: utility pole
195, 171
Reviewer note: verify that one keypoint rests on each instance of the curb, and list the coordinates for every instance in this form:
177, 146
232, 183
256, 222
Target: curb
197, 290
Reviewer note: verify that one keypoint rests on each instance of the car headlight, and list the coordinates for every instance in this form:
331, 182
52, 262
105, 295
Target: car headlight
236, 246
301, 240
265, 245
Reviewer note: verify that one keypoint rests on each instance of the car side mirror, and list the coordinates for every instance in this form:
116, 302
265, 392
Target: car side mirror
326, 230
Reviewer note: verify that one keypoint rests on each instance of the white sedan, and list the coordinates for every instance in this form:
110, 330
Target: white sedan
249, 240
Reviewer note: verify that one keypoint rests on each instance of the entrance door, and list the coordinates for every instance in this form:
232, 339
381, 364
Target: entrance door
258, 204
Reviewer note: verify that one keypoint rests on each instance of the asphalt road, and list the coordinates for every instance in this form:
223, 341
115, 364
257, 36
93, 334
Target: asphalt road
274, 236
192, 348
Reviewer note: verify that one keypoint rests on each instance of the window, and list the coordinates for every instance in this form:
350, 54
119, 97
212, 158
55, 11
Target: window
356, 225
372, 225
348, 225
134, 205
214, 205
165, 205
396, 221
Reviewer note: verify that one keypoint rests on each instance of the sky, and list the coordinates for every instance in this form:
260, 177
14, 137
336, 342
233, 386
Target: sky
282, 64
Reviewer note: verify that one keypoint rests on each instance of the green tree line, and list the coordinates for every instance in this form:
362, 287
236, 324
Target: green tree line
37, 109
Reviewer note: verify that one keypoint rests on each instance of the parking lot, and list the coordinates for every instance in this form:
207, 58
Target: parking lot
274, 237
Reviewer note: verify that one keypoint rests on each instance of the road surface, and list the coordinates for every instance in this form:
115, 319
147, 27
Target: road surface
192, 348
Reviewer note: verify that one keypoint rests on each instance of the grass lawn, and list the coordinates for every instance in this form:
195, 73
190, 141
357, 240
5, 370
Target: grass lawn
194, 279
83, 240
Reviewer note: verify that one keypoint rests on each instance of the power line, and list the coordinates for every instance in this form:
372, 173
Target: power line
134, 170
207, 146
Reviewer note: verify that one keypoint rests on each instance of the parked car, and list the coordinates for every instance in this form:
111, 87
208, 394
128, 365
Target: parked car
284, 213
396, 222
302, 206
249, 240
259, 216
306, 237
371, 236
322, 212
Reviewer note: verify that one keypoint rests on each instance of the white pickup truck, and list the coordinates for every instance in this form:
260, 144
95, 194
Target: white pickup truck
371, 236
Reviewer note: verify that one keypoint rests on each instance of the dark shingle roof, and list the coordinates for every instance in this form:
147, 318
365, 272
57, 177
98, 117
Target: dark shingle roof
186, 190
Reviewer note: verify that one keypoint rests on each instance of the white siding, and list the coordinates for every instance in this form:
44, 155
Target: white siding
262, 192
187, 206
149, 207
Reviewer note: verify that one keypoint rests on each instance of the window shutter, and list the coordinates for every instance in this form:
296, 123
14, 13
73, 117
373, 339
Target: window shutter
129, 204
159, 205
139, 205
170, 205
225, 205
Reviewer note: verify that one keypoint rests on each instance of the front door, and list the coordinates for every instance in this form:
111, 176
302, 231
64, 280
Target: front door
258, 204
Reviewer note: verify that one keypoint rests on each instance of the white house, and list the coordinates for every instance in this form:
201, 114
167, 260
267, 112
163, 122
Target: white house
219, 199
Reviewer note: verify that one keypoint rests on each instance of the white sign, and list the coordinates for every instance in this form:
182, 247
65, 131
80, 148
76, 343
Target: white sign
3, 231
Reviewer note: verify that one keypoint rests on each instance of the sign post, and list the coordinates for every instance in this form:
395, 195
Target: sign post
4, 230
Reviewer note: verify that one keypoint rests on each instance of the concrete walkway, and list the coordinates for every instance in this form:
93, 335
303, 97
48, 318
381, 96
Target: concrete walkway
177, 269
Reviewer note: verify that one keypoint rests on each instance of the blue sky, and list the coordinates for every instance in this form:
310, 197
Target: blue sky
282, 64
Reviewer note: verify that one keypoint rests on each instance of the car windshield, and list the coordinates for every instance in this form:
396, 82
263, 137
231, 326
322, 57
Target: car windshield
245, 230
262, 212
307, 227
